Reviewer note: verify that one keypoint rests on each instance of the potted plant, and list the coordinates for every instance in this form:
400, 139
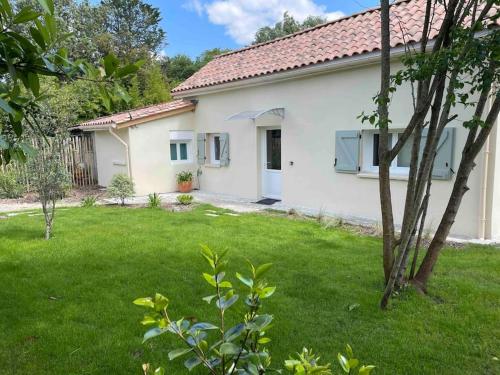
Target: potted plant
185, 181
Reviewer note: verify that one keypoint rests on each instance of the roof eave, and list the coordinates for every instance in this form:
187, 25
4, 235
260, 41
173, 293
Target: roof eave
343, 63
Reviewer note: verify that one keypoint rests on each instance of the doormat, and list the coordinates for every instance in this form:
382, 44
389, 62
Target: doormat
268, 201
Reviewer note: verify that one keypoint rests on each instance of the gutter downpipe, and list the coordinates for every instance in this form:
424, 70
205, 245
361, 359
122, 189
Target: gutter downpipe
110, 129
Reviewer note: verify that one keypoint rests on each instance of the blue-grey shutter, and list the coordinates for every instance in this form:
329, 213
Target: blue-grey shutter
347, 151
224, 149
443, 163
201, 141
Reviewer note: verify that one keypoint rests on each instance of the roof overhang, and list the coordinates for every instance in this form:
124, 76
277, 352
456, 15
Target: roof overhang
134, 121
344, 63
254, 115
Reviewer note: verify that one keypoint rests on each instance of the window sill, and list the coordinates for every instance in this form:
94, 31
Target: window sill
375, 176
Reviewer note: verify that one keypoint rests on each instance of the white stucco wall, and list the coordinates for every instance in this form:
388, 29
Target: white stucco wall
315, 108
111, 157
149, 147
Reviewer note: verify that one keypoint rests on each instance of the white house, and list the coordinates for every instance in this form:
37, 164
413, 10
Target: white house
279, 120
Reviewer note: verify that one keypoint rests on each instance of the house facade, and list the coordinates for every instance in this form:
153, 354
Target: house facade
280, 120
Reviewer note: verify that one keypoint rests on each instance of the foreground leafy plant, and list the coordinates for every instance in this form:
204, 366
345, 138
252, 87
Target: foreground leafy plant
240, 349
154, 200
185, 199
89, 201
121, 187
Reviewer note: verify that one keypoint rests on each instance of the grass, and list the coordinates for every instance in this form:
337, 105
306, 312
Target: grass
66, 304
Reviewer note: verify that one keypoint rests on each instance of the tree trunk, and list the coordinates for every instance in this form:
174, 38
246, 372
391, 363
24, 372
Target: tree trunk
384, 165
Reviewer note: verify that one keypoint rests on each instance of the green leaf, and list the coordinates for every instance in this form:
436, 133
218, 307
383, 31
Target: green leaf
147, 302
260, 322
34, 83
264, 340
343, 363
208, 299
353, 363
160, 302
228, 348
177, 353
126, 70
225, 284
262, 269
224, 304
203, 327
349, 351
147, 320
37, 37
153, 333
366, 370
210, 279
47, 5
192, 362
267, 292
6, 107
159, 371
245, 280
25, 14
234, 332
111, 62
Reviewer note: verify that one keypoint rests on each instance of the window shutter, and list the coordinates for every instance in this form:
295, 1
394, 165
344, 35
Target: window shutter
224, 149
347, 151
201, 140
443, 163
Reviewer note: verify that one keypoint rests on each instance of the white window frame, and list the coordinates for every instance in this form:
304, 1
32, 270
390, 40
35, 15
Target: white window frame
367, 140
176, 138
211, 139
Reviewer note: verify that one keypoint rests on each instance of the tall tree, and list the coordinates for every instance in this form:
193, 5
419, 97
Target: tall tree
133, 28
458, 67
287, 26
29, 40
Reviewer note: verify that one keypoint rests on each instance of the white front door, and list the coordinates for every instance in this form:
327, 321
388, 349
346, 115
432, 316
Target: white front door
271, 159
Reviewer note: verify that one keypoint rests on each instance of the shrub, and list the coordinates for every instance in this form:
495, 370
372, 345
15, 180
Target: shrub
185, 199
121, 187
49, 177
89, 201
154, 200
184, 176
9, 186
241, 348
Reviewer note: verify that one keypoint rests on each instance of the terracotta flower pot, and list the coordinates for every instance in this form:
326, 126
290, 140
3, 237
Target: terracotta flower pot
185, 187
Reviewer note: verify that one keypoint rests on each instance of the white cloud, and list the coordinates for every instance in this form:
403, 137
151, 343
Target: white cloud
242, 18
194, 6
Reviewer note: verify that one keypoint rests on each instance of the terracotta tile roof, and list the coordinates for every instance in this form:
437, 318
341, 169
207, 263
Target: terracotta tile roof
135, 115
349, 36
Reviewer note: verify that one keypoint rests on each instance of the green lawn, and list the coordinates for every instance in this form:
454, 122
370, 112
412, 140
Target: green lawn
66, 304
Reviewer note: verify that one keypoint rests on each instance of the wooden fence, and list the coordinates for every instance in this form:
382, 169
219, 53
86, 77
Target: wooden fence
78, 156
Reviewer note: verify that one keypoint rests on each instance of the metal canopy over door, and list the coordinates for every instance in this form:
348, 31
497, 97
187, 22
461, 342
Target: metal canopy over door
271, 162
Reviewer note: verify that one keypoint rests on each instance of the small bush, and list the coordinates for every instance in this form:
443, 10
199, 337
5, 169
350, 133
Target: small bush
9, 186
121, 187
184, 176
154, 200
185, 199
89, 201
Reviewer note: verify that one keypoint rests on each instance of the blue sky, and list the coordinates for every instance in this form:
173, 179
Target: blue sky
193, 26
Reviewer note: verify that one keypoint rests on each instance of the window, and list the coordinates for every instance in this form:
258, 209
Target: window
214, 149
371, 159
180, 146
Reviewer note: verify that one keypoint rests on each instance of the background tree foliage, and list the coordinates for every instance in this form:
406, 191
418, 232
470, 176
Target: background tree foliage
287, 26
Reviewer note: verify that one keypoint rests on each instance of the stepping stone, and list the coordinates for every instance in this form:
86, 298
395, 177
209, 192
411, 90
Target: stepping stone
3, 217
212, 215
35, 215
13, 214
231, 214
211, 211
